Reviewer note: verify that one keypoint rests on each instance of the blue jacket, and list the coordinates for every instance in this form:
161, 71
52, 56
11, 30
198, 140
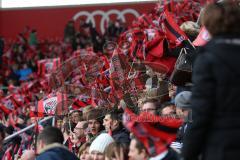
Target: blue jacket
56, 151
24, 73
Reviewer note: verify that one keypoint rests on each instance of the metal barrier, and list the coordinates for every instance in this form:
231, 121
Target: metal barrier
27, 128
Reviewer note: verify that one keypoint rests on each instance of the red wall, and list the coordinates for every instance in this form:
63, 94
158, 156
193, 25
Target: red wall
50, 22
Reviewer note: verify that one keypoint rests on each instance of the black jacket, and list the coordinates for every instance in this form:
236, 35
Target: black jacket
56, 151
181, 132
215, 130
121, 135
171, 155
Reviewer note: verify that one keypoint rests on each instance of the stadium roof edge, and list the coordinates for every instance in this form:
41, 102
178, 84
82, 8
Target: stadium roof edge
77, 5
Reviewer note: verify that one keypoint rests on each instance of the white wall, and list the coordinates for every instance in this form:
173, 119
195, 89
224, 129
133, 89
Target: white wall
46, 3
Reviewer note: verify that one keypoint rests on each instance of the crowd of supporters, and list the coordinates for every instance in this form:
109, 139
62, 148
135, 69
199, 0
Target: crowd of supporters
163, 117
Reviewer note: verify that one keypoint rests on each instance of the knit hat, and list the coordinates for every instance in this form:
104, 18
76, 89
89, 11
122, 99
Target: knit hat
182, 100
101, 143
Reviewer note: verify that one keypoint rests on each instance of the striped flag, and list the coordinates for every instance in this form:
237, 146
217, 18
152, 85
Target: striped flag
119, 69
81, 102
156, 133
172, 30
8, 104
47, 66
53, 104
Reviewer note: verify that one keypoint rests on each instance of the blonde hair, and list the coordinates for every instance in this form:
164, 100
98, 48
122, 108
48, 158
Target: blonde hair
83, 148
190, 28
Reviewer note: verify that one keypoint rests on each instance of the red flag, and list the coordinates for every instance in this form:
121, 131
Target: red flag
119, 70
172, 30
156, 133
81, 102
34, 112
140, 80
202, 38
8, 104
7, 155
170, 6
146, 21
157, 47
52, 103
161, 65
47, 66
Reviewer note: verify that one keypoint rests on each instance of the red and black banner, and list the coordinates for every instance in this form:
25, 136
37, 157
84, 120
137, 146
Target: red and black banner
156, 133
172, 30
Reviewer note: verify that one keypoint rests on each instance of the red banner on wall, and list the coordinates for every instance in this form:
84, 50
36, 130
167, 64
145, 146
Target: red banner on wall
50, 22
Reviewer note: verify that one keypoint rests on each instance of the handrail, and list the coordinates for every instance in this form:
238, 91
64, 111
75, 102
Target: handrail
26, 128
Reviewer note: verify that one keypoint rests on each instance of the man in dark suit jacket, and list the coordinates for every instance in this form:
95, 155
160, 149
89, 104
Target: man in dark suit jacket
214, 131
49, 146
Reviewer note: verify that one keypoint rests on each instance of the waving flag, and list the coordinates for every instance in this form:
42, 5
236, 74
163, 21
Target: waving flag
119, 70
172, 30
51, 105
156, 133
81, 102
46, 66
202, 38
8, 104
